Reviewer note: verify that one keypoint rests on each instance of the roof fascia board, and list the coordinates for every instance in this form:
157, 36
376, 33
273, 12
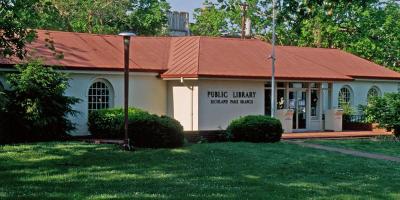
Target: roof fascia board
101, 72
96, 72
377, 80
178, 79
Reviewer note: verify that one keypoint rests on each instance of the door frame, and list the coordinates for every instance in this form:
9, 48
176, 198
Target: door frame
296, 123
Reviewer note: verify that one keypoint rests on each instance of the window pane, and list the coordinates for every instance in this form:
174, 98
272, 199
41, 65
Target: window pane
280, 99
99, 96
344, 97
314, 103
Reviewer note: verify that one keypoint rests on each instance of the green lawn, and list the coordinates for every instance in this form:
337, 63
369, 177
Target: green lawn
201, 171
381, 145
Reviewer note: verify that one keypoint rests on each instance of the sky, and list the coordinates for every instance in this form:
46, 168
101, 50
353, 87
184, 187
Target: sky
185, 5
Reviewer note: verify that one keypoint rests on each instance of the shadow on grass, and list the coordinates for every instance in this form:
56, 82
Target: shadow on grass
205, 171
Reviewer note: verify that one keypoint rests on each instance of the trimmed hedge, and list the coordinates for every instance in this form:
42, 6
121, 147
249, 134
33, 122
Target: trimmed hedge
151, 131
145, 130
255, 128
109, 123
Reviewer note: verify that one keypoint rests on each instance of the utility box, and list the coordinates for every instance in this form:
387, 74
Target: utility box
285, 116
334, 120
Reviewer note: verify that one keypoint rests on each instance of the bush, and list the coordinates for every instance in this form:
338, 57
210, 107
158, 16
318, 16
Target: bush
145, 130
35, 108
385, 111
255, 128
109, 123
151, 131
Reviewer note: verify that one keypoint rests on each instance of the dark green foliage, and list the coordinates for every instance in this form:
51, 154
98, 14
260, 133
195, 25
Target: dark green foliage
14, 16
255, 128
144, 17
145, 130
151, 131
385, 110
35, 108
108, 123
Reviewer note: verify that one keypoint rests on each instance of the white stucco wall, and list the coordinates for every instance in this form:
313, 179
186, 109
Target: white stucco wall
360, 90
189, 101
218, 116
147, 92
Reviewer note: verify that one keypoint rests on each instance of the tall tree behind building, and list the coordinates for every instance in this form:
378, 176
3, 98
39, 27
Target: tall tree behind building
144, 17
19, 18
367, 28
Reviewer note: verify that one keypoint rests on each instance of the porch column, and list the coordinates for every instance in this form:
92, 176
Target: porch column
321, 106
308, 106
330, 96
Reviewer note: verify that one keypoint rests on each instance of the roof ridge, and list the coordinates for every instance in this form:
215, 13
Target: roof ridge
307, 47
108, 35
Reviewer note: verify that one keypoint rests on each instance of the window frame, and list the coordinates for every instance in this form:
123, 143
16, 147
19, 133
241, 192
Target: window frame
349, 96
91, 95
377, 90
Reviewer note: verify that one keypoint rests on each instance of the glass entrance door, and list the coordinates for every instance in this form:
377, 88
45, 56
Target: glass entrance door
298, 102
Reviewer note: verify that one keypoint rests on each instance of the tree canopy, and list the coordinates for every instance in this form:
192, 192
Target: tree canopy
19, 18
16, 19
144, 17
367, 28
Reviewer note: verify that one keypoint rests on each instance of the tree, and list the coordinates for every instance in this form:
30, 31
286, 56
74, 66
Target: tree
385, 111
36, 106
225, 17
144, 17
16, 17
147, 17
209, 21
19, 19
367, 28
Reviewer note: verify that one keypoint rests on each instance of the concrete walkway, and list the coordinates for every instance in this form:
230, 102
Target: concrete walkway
344, 134
348, 151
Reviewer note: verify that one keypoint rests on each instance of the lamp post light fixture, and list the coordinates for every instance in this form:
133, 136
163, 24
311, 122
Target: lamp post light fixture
127, 40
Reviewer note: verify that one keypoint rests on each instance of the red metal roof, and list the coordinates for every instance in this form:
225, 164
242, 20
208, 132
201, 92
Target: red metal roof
102, 52
175, 57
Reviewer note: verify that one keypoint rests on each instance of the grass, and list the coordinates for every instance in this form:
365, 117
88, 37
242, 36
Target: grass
382, 145
202, 171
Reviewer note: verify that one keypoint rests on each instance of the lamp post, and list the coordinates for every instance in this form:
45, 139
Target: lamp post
127, 40
273, 104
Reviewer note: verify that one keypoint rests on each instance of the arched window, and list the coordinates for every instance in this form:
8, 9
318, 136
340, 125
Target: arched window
100, 95
373, 92
345, 96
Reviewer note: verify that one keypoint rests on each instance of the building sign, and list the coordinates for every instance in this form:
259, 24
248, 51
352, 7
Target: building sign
231, 97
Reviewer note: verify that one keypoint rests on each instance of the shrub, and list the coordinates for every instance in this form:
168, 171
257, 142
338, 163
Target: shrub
109, 123
255, 128
151, 131
145, 130
385, 111
35, 108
